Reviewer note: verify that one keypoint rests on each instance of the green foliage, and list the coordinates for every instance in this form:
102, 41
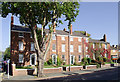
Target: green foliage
59, 61
89, 60
49, 62
98, 65
45, 63
7, 53
100, 59
104, 59
22, 67
84, 60
83, 32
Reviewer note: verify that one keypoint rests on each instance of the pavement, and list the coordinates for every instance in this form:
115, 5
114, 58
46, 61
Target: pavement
56, 75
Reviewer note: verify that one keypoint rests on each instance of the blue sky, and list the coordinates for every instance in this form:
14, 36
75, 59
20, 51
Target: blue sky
97, 18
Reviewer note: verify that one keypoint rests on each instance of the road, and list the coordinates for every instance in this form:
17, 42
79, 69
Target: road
109, 74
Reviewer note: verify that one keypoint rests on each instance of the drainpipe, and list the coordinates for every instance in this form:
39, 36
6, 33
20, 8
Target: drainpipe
69, 49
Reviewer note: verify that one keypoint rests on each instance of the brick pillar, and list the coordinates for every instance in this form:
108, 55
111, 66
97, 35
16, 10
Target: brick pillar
13, 69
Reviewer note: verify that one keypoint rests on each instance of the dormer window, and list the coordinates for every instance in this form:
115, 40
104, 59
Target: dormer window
21, 34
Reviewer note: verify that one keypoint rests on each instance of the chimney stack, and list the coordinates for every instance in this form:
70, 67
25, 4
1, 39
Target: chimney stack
64, 29
12, 21
116, 46
71, 29
86, 33
104, 37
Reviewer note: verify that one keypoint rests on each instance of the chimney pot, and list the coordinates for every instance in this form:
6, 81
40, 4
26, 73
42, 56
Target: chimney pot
113, 46
64, 29
104, 37
86, 33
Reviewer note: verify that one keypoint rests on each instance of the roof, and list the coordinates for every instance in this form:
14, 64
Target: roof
98, 41
61, 32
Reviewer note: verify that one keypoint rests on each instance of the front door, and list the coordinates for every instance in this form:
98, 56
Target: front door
33, 60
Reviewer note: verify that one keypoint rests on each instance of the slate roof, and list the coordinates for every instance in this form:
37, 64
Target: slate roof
61, 32
97, 41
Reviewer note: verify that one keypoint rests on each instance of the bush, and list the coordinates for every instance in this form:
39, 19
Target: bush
98, 65
64, 63
99, 59
45, 63
59, 61
108, 60
84, 60
49, 62
94, 61
89, 60
104, 59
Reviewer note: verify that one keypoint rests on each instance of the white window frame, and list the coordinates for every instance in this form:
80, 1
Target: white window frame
94, 56
32, 46
79, 48
105, 46
63, 38
71, 48
55, 58
86, 49
71, 38
87, 40
79, 39
54, 45
106, 55
93, 45
53, 37
63, 47
20, 46
34, 60
20, 35
21, 59
87, 56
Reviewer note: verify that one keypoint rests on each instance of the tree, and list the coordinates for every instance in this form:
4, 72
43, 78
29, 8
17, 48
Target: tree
83, 32
7, 53
45, 14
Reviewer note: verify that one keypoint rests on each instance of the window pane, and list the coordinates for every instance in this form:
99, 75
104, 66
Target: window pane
63, 38
63, 57
53, 47
53, 37
71, 39
32, 46
20, 45
79, 39
20, 58
79, 59
63, 48
79, 47
71, 48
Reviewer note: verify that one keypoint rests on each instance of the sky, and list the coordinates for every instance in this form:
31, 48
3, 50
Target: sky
97, 18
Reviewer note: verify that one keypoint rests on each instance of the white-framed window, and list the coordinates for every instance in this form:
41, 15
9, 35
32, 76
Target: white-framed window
33, 59
79, 48
63, 47
71, 38
53, 37
30, 35
79, 58
63, 58
20, 45
105, 46
63, 37
86, 49
87, 56
20, 58
72, 59
93, 45
21, 34
54, 58
86, 39
79, 39
94, 56
32, 46
54, 47
71, 48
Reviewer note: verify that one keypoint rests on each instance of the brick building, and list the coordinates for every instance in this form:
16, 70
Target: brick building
23, 52
99, 48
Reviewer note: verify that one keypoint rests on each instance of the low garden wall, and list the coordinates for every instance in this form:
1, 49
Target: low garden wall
91, 66
106, 65
74, 68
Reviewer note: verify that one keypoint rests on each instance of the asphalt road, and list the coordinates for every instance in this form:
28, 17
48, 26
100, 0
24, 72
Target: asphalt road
108, 74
